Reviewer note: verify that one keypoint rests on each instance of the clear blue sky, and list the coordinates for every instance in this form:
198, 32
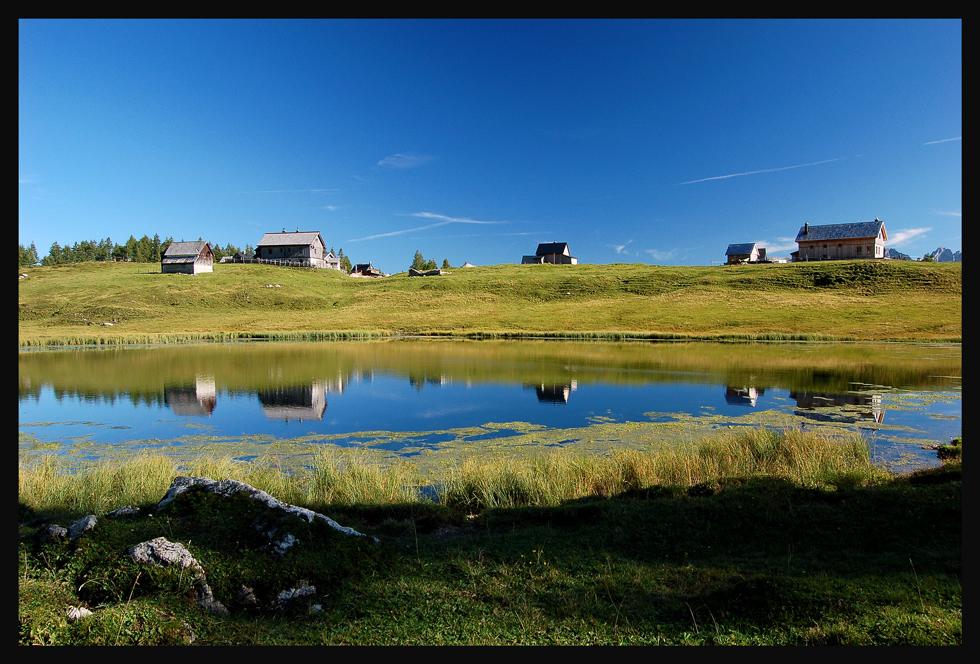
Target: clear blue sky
657, 142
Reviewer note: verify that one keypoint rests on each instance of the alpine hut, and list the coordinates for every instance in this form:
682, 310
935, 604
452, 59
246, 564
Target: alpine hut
299, 249
864, 239
187, 258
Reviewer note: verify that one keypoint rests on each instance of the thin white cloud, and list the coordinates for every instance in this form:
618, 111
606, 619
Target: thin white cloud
660, 255
443, 221
899, 237
291, 191
405, 160
951, 214
620, 248
765, 170
458, 220
944, 140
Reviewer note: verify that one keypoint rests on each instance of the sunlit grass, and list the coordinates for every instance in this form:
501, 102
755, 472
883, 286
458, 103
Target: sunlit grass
836, 300
341, 477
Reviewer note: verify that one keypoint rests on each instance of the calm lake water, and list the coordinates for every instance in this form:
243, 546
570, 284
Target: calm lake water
407, 395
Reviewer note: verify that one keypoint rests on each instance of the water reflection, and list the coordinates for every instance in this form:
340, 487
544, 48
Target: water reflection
850, 408
283, 389
197, 399
743, 396
553, 392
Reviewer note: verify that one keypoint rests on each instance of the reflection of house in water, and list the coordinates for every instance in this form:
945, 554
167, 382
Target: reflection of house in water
867, 405
555, 392
418, 382
196, 399
743, 396
295, 402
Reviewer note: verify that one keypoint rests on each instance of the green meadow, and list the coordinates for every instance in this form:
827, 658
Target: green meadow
752, 538
747, 536
108, 303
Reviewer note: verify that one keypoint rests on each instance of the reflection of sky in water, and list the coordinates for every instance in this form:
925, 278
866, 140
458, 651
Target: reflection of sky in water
389, 403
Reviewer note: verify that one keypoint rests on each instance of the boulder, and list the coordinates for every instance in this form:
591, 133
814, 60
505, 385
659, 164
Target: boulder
161, 552
228, 488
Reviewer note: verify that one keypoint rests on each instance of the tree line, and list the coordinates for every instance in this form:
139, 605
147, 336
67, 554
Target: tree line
143, 250
423, 265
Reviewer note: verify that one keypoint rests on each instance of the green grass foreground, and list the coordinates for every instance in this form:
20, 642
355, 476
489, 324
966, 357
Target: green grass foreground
110, 303
756, 537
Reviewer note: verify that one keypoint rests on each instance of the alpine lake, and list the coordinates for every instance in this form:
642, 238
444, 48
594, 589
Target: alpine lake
437, 402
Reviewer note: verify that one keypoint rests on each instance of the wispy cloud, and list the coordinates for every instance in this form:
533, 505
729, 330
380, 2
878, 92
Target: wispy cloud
944, 140
405, 160
621, 248
659, 255
951, 214
291, 191
765, 170
443, 221
902, 236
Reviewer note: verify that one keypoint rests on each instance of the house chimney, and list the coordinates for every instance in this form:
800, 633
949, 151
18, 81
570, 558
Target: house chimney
806, 227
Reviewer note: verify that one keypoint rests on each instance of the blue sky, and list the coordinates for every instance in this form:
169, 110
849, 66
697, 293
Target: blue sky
657, 142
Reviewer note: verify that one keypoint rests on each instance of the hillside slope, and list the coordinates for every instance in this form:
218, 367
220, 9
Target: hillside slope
133, 303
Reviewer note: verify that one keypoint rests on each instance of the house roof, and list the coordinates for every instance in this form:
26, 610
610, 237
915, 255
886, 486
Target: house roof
551, 248
176, 249
861, 229
301, 238
743, 249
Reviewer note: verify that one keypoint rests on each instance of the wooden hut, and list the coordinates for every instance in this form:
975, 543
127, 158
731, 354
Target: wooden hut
551, 252
299, 249
865, 239
187, 258
747, 252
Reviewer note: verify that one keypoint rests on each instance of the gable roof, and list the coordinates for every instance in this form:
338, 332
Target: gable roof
175, 249
290, 239
745, 248
861, 229
551, 248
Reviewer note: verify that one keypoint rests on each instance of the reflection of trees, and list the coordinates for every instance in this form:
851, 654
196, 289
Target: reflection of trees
419, 380
848, 408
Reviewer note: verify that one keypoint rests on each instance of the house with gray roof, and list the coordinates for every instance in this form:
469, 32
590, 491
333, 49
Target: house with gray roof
864, 239
187, 258
747, 252
299, 249
551, 252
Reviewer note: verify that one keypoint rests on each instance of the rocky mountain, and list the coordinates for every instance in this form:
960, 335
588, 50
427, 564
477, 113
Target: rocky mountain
943, 255
897, 255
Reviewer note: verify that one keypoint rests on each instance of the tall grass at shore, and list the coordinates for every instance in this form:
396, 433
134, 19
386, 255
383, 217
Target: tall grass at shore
337, 477
804, 458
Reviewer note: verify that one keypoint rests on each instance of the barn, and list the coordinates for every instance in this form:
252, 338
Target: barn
187, 258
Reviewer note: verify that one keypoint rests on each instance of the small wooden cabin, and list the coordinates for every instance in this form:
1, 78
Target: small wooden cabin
865, 239
187, 258
747, 252
551, 252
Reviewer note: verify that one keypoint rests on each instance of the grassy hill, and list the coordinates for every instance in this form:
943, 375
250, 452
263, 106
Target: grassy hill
849, 300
